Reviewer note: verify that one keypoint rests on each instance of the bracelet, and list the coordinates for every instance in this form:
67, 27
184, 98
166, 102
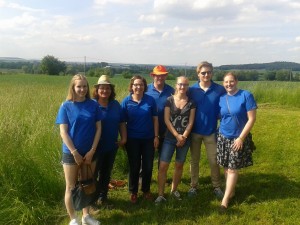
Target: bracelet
156, 136
93, 149
184, 136
72, 152
241, 139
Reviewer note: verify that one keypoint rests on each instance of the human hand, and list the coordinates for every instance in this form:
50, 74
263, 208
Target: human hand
88, 157
78, 158
121, 142
237, 144
156, 142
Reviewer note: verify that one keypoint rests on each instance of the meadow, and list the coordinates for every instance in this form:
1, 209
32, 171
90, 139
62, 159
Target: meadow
32, 182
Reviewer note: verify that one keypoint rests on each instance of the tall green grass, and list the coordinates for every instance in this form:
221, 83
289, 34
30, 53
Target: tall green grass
32, 182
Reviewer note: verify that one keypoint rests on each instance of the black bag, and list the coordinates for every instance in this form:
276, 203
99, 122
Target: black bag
83, 194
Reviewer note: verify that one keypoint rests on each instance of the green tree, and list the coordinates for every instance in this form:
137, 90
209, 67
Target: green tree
52, 66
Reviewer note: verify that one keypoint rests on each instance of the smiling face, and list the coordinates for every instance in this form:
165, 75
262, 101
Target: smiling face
159, 80
205, 74
182, 85
138, 87
230, 83
80, 89
104, 91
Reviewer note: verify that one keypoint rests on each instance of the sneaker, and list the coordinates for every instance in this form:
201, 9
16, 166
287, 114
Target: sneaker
88, 220
192, 192
133, 198
176, 195
160, 199
74, 222
219, 193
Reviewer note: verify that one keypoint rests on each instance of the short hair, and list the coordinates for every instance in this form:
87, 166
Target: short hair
112, 94
204, 64
71, 91
137, 77
230, 74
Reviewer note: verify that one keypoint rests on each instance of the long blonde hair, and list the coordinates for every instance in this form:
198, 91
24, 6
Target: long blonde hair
71, 91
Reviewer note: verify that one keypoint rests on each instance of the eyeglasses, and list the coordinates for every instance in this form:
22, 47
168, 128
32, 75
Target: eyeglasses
183, 85
138, 85
206, 72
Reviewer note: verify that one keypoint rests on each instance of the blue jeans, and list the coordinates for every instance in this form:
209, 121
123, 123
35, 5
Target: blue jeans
169, 147
104, 166
140, 150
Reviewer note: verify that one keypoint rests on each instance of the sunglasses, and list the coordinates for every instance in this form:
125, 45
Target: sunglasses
207, 72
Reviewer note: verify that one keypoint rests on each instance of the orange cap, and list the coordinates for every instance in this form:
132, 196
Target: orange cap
159, 70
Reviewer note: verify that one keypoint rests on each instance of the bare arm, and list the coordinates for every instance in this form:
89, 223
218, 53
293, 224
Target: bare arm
156, 131
238, 144
189, 127
69, 143
123, 134
89, 155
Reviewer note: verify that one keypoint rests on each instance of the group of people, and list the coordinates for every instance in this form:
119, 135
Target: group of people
156, 117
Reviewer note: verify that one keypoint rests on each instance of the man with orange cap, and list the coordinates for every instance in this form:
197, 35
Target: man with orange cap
160, 91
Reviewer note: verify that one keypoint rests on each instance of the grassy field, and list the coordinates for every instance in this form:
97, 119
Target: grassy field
32, 183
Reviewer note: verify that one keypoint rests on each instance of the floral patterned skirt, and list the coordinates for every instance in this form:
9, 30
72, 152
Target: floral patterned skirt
230, 159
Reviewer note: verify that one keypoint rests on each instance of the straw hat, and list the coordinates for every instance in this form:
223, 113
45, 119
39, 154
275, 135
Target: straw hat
159, 70
104, 79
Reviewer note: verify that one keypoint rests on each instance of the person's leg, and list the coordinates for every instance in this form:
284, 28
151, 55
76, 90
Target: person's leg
211, 150
167, 152
177, 175
71, 175
162, 177
180, 159
105, 173
134, 159
232, 177
147, 149
195, 158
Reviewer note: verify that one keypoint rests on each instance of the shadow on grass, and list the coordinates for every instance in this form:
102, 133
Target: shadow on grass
259, 187
252, 188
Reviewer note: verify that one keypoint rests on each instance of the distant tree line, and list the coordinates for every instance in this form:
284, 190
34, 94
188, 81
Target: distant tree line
280, 71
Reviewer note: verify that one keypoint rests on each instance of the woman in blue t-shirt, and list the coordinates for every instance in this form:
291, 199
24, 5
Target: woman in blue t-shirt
79, 120
238, 115
140, 113
112, 124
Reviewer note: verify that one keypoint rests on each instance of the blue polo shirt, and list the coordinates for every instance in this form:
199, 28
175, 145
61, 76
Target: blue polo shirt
160, 99
112, 117
207, 111
233, 122
139, 116
81, 118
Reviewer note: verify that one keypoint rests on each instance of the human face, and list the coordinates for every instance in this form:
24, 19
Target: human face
230, 84
104, 91
182, 85
159, 79
205, 74
138, 87
80, 89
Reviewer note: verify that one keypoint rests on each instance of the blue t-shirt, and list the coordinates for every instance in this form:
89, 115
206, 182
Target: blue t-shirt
81, 118
160, 99
233, 122
139, 116
112, 117
207, 103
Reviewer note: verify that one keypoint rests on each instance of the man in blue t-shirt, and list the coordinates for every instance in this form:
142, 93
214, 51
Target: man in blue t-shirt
206, 95
160, 91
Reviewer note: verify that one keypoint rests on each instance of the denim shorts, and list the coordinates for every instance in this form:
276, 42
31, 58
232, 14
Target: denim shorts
68, 159
169, 147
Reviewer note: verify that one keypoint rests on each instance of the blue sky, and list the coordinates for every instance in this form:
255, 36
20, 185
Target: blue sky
168, 32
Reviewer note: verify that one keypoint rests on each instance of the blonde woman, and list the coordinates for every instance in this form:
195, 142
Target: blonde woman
179, 118
79, 120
